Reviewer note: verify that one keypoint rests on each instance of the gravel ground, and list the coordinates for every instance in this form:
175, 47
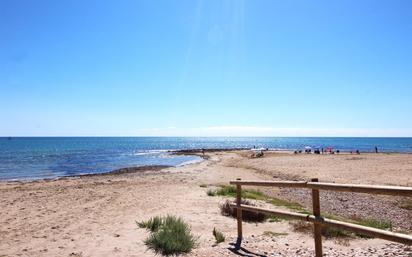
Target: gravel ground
354, 205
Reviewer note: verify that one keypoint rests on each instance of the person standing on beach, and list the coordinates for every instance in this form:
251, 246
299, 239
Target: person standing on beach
376, 149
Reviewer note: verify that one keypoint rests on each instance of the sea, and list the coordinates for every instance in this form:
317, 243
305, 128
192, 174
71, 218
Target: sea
32, 158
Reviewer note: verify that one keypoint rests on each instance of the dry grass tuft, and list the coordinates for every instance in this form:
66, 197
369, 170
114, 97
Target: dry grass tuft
248, 216
219, 237
274, 234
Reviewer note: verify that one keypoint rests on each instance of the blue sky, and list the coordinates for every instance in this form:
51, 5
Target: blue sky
205, 68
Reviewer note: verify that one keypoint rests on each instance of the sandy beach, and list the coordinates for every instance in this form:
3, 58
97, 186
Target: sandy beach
96, 215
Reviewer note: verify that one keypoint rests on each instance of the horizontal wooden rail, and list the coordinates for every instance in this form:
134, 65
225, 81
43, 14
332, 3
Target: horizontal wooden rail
370, 189
388, 235
283, 214
301, 184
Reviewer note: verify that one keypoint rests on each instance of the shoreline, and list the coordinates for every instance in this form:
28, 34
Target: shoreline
121, 171
202, 153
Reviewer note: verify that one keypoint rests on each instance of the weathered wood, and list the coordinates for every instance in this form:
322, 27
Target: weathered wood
280, 213
301, 184
371, 189
317, 227
239, 211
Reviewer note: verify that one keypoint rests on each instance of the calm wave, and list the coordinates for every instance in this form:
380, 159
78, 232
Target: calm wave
38, 158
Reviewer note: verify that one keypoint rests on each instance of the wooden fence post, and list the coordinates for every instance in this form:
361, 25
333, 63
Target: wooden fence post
239, 211
317, 227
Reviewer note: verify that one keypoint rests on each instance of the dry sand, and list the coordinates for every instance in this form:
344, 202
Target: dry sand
95, 215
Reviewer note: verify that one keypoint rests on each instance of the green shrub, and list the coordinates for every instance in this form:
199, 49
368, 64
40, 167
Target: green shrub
331, 232
373, 223
246, 193
290, 205
219, 237
257, 195
172, 235
153, 224
226, 191
274, 218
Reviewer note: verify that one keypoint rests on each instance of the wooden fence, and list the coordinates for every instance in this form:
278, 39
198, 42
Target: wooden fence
317, 219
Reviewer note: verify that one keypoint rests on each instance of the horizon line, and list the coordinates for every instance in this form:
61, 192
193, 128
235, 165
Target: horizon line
169, 136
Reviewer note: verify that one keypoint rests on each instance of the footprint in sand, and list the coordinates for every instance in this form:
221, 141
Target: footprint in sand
76, 254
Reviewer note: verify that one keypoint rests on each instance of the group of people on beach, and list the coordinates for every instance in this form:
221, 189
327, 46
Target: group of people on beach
328, 150
318, 151
258, 152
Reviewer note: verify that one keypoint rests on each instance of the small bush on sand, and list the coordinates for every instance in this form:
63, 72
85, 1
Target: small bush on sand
248, 216
331, 232
226, 191
273, 218
153, 224
219, 237
211, 192
172, 236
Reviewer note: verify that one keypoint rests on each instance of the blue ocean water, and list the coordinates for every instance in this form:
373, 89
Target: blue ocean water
50, 157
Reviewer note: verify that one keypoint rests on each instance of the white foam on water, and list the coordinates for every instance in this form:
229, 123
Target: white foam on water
149, 152
190, 162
